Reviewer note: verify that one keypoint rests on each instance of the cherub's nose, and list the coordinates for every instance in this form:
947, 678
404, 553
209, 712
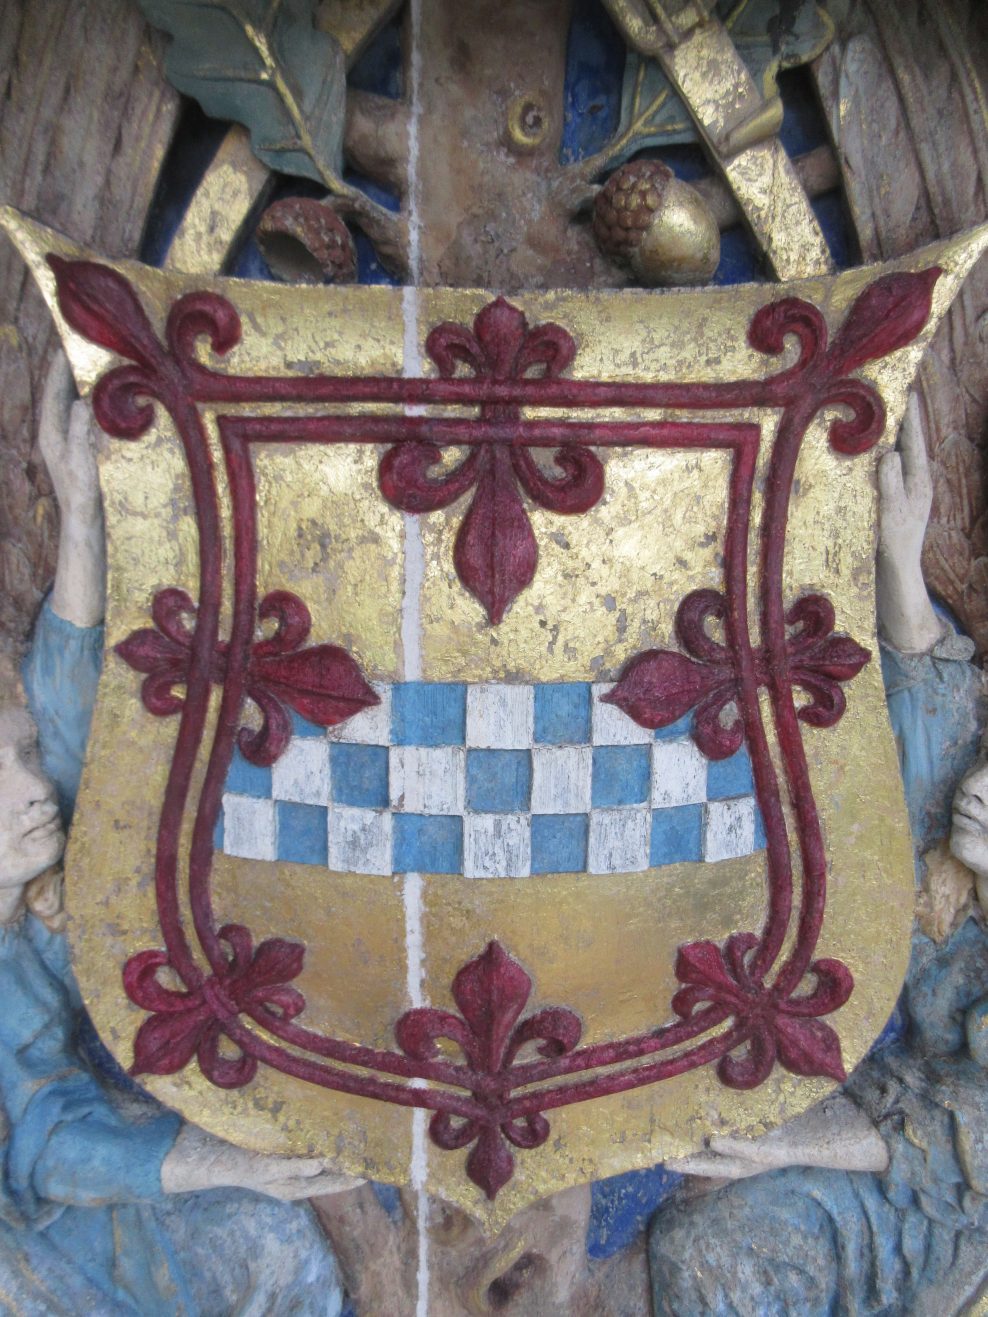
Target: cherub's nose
975, 785
34, 788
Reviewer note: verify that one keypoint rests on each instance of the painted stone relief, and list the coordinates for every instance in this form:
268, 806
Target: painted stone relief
491, 787
464, 761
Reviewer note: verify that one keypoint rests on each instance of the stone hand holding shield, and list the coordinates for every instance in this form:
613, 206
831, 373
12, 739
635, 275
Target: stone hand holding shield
82, 1176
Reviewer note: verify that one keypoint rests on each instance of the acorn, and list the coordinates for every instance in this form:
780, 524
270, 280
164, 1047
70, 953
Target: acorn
305, 241
650, 222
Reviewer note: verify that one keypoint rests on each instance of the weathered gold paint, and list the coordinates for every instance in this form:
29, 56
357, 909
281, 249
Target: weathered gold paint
231, 188
741, 127
602, 945
681, 247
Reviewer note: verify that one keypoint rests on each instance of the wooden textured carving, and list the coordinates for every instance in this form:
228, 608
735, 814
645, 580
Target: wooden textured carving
908, 111
81, 142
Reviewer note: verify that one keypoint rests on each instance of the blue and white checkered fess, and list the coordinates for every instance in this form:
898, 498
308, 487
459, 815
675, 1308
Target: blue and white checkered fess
491, 781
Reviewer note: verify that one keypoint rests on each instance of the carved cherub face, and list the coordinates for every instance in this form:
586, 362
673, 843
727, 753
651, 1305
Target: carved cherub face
31, 836
969, 829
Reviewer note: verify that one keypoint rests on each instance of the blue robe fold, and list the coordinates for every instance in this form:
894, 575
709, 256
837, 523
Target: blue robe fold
84, 1225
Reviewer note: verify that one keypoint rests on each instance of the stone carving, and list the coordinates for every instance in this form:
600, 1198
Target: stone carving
772, 990
263, 69
957, 577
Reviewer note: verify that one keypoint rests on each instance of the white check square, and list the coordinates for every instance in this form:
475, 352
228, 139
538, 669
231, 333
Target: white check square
427, 779
370, 726
500, 717
497, 845
679, 774
561, 779
301, 774
729, 829
249, 828
611, 725
359, 840
619, 840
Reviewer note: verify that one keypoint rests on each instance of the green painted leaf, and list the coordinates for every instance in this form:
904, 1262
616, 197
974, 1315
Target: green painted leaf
262, 64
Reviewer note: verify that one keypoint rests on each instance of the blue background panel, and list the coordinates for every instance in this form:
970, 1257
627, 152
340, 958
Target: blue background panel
427, 843
499, 781
302, 833
429, 713
622, 775
359, 775
559, 843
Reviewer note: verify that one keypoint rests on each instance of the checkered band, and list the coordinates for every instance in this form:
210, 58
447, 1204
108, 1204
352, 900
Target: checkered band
491, 781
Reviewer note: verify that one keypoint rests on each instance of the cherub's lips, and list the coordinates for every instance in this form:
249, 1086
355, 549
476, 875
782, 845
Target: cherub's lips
46, 827
968, 822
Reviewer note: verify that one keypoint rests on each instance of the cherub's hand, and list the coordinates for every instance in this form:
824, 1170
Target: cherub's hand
200, 1161
66, 437
835, 1134
291, 1178
905, 491
906, 617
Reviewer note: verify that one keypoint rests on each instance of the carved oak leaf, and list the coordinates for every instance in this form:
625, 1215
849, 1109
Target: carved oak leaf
267, 67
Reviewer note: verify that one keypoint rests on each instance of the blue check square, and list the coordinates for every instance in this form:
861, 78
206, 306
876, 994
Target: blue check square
559, 843
302, 727
562, 713
621, 775
359, 775
499, 781
761, 840
246, 779
302, 833
428, 713
677, 731
427, 843
677, 835
730, 777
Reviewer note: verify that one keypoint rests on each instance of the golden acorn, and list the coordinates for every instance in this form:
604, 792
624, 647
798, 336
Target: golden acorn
649, 221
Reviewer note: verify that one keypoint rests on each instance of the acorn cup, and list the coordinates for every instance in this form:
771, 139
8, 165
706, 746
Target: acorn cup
305, 241
650, 222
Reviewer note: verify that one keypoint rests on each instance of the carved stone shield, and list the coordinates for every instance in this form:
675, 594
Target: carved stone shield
490, 785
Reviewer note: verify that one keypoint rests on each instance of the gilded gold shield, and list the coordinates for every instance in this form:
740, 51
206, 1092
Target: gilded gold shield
490, 785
